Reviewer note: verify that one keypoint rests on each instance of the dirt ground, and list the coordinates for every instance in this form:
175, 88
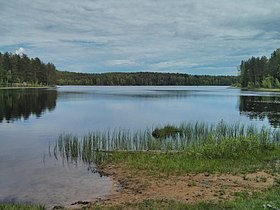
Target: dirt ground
132, 186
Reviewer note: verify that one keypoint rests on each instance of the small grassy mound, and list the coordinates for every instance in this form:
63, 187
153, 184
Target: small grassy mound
166, 132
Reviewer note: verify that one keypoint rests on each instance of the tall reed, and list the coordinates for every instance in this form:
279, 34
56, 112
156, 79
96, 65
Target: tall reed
96, 146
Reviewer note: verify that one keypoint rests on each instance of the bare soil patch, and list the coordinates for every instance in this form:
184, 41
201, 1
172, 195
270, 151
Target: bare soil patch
136, 186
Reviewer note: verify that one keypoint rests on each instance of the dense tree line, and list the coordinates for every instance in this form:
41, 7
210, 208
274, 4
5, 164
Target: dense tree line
261, 72
142, 78
22, 70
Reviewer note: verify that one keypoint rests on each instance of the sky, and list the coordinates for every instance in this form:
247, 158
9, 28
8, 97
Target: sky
179, 36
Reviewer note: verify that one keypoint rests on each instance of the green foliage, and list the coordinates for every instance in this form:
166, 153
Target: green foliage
18, 70
261, 72
267, 82
226, 157
142, 78
172, 138
277, 83
234, 148
200, 147
21, 207
167, 131
251, 85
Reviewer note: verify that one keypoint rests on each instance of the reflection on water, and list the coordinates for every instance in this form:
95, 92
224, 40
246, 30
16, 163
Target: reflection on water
261, 107
136, 92
21, 103
78, 110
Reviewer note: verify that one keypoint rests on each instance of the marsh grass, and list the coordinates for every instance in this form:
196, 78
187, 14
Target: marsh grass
168, 138
21, 207
198, 147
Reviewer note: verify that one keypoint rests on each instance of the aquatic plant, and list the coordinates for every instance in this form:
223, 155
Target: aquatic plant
213, 140
166, 131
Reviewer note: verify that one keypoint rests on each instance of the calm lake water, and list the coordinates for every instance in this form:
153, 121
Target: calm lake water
32, 119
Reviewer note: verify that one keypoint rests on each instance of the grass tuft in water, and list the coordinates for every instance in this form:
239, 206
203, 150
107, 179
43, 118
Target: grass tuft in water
192, 147
168, 138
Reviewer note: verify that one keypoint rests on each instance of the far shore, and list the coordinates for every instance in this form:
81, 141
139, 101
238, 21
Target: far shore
26, 87
45, 87
262, 89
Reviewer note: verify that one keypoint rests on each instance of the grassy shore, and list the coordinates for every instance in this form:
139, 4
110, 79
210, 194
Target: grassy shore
21, 207
190, 166
249, 181
263, 89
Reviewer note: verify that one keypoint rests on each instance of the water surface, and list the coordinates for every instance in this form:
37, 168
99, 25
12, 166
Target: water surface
31, 119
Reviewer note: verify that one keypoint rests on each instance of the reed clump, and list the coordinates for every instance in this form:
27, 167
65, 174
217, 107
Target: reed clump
196, 140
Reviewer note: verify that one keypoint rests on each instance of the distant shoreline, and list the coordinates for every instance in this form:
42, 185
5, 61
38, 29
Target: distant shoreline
27, 87
262, 89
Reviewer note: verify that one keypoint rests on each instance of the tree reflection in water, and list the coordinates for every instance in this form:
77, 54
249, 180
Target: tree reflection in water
261, 107
19, 104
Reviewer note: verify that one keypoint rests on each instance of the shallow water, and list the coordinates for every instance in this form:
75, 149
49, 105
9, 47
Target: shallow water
30, 120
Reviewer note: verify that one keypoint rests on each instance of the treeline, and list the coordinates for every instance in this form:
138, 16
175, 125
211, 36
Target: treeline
142, 78
261, 72
20, 70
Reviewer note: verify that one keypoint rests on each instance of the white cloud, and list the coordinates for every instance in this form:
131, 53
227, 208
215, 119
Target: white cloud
20, 51
121, 62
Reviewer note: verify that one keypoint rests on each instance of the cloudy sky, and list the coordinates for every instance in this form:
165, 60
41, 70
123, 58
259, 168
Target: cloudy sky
186, 36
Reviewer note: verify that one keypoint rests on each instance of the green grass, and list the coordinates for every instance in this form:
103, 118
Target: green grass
21, 207
167, 131
263, 89
191, 148
168, 138
230, 156
198, 147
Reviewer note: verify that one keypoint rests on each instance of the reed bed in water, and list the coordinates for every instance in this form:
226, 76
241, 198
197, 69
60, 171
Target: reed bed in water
185, 136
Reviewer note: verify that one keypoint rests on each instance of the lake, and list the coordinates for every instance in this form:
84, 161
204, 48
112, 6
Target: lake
32, 119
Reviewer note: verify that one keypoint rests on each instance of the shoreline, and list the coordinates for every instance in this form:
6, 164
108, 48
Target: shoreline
261, 89
133, 187
28, 87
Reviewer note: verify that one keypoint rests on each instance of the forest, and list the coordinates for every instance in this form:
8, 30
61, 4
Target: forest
261, 72
20, 70
142, 78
